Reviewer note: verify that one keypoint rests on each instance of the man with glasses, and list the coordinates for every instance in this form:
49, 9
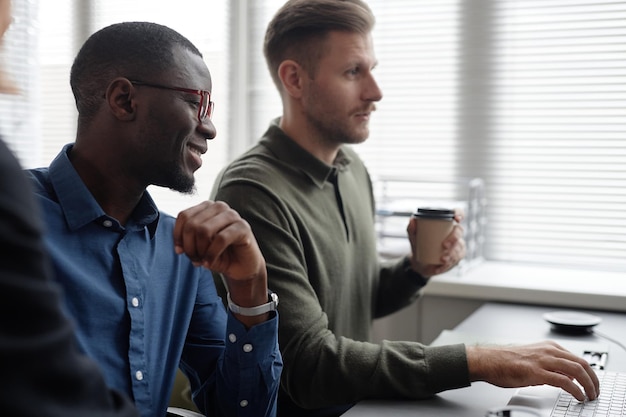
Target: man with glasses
137, 282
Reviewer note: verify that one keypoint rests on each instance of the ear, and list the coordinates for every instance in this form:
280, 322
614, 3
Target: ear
291, 75
120, 98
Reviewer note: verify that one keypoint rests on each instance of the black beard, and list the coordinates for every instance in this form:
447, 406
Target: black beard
183, 184
180, 182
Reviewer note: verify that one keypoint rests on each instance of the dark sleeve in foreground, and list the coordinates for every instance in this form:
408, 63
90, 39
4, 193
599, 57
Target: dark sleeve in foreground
41, 371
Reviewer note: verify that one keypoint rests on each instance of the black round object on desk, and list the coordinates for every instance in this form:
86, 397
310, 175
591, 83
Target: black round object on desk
572, 322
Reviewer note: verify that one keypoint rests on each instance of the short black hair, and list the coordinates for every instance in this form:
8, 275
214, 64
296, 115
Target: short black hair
137, 50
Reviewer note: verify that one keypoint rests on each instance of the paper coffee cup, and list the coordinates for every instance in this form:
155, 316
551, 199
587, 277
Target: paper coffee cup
433, 226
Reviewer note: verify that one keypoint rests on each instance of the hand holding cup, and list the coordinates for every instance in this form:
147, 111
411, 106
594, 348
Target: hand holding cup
436, 240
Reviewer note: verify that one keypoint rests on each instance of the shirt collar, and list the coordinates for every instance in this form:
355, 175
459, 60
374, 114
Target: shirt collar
289, 152
78, 205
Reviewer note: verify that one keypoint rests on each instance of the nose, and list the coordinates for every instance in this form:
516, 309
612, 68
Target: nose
207, 129
373, 91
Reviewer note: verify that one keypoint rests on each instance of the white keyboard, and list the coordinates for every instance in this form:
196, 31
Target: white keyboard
610, 403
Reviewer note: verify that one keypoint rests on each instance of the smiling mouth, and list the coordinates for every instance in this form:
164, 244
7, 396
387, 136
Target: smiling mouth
196, 150
195, 153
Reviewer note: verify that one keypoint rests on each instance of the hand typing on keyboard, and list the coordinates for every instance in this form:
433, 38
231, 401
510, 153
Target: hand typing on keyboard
612, 401
534, 364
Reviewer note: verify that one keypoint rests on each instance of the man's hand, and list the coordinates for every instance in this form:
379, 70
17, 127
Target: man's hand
453, 248
215, 236
535, 364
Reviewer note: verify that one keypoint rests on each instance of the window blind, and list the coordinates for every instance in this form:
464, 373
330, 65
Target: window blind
557, 155
415, 125
19, 115
264, 102
58, 37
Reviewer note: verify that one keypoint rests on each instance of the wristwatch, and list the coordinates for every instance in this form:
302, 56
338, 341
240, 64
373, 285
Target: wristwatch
255, 311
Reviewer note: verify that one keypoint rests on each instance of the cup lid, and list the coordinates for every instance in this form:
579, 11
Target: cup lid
435, 213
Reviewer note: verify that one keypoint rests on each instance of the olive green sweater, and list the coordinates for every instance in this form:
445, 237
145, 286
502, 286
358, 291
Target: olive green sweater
315, 227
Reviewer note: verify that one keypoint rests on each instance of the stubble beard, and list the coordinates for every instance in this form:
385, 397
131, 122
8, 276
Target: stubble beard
332, 130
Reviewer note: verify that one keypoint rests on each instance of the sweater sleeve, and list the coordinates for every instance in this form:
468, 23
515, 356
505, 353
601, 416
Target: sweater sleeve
322, 368
398, 287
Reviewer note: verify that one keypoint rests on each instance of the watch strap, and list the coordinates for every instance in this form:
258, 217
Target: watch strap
271, 305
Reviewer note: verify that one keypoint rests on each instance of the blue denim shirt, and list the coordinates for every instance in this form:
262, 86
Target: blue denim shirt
141, 310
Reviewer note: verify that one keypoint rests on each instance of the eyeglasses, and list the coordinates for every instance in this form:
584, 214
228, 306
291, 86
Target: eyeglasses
206, 106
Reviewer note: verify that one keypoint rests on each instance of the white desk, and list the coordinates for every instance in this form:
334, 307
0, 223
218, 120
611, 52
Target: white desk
497, 322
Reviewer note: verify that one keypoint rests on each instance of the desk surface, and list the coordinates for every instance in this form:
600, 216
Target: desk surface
508, 323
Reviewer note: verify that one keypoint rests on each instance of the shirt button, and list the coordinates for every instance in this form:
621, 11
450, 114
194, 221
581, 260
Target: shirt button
139, 375
232, 337
247, 347
107, 223
135, 302
243, 403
